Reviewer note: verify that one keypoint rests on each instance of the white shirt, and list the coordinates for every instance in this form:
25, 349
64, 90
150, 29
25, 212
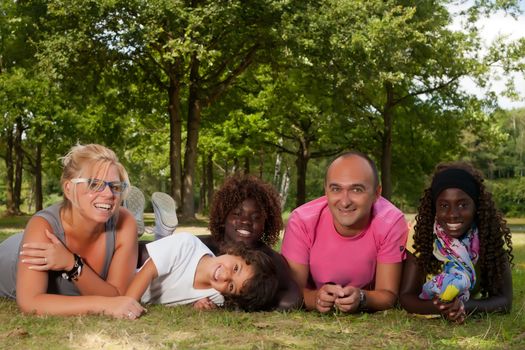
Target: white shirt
176, 258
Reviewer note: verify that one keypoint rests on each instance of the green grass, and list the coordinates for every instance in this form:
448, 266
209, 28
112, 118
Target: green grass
184, 328
10, 225
13, 222
516, 221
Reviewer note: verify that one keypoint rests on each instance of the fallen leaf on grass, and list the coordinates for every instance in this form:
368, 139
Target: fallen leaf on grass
262, 325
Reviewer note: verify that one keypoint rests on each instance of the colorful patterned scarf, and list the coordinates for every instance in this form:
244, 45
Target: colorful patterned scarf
459, 257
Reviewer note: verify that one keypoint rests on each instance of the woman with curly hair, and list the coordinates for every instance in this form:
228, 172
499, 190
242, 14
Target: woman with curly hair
247, 210
462, 241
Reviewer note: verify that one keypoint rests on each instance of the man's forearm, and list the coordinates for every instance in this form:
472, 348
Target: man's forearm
377, 300
310, 296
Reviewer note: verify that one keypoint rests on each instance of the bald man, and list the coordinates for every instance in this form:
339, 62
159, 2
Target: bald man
345, 249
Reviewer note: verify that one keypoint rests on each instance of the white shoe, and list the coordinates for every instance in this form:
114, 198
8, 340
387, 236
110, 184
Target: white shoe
164, 208
135, 204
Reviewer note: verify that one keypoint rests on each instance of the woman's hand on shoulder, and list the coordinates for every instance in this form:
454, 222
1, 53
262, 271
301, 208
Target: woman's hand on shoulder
32, 271
44, 256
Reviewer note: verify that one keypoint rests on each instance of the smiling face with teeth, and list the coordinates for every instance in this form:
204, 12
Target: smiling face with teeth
245, 223
351, 191
99, 206
455, 211
228, 273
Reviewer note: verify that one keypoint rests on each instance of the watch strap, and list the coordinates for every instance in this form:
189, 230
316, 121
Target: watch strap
362, 300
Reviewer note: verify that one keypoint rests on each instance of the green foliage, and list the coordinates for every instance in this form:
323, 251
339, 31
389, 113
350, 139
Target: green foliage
324, 76
509, 195
498, 146
13, 223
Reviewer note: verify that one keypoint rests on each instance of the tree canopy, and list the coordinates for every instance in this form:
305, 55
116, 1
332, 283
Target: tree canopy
188, 92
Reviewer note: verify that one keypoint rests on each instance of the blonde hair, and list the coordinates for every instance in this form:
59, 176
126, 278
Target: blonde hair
98, 156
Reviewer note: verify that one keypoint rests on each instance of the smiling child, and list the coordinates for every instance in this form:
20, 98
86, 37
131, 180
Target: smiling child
182, 270
462, 240
247, 211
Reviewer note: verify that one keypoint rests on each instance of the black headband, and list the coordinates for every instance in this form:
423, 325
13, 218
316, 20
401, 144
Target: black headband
455, 178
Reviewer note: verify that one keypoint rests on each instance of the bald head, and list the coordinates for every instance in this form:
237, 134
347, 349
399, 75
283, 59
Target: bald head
351, 189
370, 164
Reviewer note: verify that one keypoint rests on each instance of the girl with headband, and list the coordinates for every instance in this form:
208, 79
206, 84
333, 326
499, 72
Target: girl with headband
463, 244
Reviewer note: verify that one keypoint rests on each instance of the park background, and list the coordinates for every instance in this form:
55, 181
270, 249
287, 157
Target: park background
189, 92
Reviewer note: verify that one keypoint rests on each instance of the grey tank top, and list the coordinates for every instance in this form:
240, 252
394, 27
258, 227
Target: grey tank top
10, 249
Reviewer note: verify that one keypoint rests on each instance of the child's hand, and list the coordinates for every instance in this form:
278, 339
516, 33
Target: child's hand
204, 304
456, 313
123, 307
453, 311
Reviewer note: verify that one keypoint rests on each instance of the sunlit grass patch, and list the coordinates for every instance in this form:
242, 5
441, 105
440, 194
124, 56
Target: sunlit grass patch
101, 340
516, 221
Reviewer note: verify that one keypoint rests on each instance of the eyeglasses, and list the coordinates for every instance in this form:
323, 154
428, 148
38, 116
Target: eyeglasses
97, 185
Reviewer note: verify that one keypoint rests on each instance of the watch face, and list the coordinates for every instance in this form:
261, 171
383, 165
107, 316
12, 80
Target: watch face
362, 299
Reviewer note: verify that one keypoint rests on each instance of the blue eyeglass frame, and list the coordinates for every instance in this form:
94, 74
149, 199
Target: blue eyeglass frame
106, 183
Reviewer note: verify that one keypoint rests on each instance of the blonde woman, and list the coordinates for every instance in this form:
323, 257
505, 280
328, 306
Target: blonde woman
73, 256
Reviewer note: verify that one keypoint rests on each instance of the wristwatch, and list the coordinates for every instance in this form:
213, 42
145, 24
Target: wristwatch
362, 300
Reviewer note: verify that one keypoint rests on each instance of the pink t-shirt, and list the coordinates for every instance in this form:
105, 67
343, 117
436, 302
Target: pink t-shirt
311, 239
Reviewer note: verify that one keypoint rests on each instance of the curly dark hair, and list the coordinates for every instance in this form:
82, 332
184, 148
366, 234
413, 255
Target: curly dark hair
494, 235
233, 192
257, 293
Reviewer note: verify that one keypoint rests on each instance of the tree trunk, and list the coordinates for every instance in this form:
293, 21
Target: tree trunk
285, 185
246, 167
261, 163
175, 113
235, 166
277, 171
386, 155
10, 166
209, 174
19, 162
301, 163
202, 190
39, 200
190, 156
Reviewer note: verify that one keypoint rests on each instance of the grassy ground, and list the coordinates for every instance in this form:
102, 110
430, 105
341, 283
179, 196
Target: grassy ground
185, 328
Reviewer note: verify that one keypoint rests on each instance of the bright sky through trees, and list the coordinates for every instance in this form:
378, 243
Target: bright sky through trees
513, 28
